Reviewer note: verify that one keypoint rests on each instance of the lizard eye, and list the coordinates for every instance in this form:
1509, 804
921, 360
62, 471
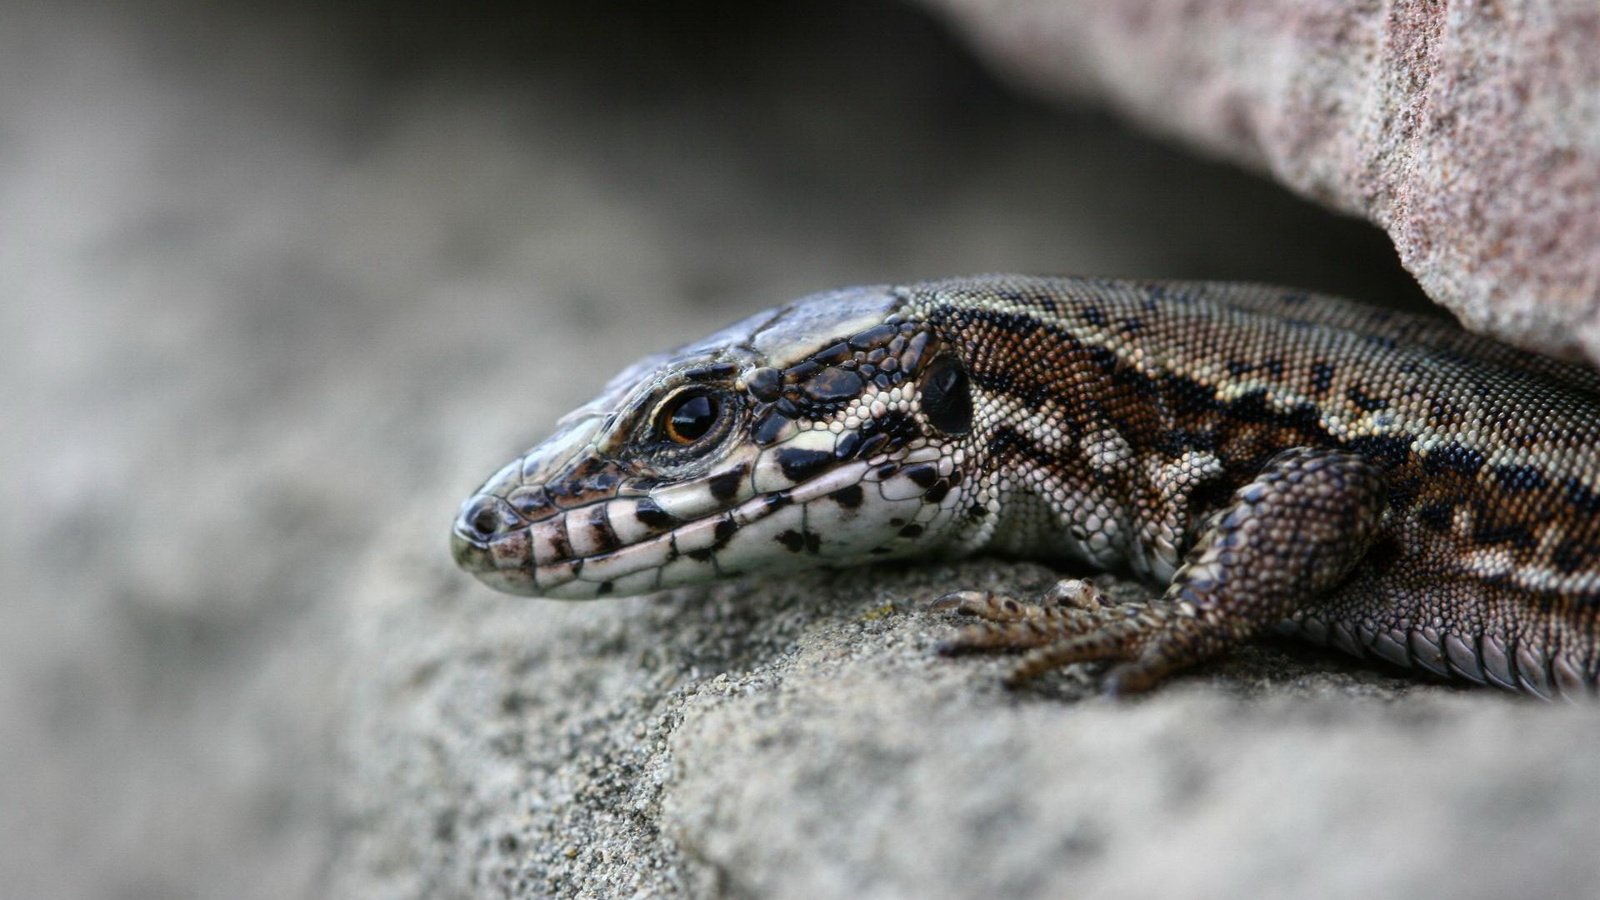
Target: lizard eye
947, 396
689, 417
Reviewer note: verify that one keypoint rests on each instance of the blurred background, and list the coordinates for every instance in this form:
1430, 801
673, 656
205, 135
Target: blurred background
279, 286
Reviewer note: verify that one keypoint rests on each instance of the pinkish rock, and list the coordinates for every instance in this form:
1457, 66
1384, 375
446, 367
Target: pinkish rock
1469, 131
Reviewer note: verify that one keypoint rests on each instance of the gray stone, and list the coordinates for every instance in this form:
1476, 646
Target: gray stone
1469, 131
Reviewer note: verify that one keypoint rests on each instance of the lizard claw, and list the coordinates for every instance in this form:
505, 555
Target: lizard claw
989, 606
955, 600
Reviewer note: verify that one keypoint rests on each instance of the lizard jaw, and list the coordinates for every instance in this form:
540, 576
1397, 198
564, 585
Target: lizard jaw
645, 549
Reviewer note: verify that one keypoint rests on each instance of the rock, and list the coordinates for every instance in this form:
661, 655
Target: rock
285, 294
1469, 131
800, 739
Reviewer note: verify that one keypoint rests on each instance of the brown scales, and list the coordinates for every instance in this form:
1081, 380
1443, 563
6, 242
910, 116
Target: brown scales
1485, 560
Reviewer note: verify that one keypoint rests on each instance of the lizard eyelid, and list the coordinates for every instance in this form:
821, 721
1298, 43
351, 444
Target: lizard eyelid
686, 425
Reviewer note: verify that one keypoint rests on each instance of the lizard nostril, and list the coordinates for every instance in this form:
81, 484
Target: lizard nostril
482, 518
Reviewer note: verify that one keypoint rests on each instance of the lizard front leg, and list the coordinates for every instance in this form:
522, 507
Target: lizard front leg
1284, 540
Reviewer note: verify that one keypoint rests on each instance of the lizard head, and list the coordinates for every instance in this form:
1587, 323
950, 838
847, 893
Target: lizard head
829, 431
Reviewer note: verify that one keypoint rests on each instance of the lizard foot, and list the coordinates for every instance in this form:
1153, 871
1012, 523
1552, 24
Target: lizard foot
1071, 623
1285, 539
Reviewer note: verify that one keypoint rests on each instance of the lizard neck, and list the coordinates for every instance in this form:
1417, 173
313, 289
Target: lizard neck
1077, 454
1052, 477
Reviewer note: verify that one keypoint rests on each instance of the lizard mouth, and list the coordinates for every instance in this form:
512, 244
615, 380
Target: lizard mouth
627, 545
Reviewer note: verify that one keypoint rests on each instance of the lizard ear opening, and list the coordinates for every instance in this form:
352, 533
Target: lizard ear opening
947, 396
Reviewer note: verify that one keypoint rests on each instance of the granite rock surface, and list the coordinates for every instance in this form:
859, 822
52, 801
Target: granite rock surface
1470, 132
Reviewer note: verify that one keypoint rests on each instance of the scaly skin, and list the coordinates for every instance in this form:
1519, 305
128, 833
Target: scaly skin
1382, 483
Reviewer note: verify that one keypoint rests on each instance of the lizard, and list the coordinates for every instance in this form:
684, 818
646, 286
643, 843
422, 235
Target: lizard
1265, 459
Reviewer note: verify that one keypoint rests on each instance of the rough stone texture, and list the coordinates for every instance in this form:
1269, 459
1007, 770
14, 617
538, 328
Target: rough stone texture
1469, 131
282, 287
